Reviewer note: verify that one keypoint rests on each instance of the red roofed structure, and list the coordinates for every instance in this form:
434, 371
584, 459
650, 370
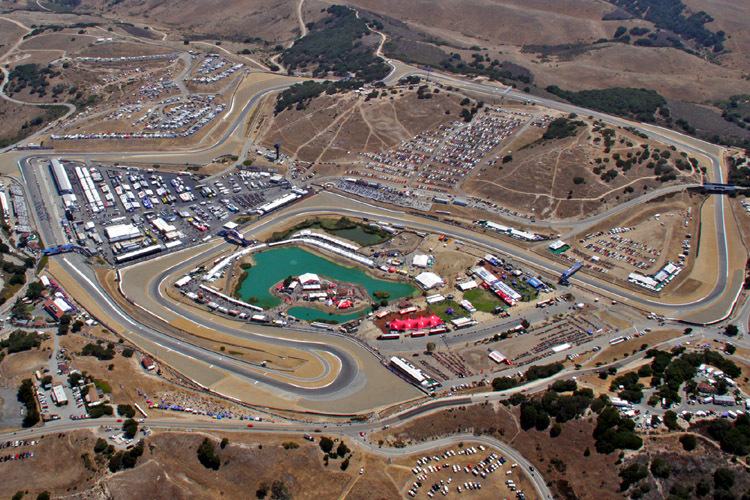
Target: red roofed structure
403, 325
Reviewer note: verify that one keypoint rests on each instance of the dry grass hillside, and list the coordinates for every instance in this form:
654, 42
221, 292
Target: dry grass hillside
273, 20
540, 21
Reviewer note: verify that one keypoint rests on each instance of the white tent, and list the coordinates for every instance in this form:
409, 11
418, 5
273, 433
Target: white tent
420, 261
429, 280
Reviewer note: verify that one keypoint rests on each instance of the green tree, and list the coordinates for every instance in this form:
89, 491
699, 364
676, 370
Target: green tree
632, 474
660, 468
130, 428
723, 478
731, 330
125, 410
34, 290
100, 411
224, 443
670, 420
26, 396
18, 495
342, 450
688, 442
100, 446
207, 455
326, 444
555, 430
345, 464
503, 383
430, 347
43, 496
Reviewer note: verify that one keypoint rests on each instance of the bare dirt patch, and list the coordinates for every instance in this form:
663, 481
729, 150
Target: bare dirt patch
337, 128
56, 466
564, 178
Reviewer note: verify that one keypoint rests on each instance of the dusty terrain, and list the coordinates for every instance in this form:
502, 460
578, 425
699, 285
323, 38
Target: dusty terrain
651, 236
541, 178
559, 459
169, 468
337, 128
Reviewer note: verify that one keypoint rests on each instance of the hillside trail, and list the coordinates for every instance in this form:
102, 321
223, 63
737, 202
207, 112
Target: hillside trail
302, 27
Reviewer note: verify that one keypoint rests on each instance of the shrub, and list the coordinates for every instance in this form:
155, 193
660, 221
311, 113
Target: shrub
342, 450
326, 444
130, 428
100, 411
688, 442
660, 468
632, 474
555, 430
207, 455
125, 411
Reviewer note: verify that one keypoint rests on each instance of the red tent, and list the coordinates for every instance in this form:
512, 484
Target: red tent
415, 324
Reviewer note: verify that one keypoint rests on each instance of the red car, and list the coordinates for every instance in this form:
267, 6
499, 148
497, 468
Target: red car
249, 425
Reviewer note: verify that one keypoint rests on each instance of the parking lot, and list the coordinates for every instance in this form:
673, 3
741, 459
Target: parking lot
439, 159
121, 211
464, 472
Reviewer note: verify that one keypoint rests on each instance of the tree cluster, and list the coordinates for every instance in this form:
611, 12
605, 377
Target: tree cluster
669, 15
126, 459
334, 45
640, 104
734, 437
562, 127
26, 396
631, 390
19, 341
30, 75
542, 371
98, 351
614, 432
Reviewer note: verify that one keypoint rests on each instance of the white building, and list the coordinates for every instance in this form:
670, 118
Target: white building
420, 261
58, 395
121, 232
309, 281
429, 280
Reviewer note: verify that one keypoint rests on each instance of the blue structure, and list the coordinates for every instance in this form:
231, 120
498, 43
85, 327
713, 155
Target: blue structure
535, 283
564, 277
717, 188
67, 248
233, 236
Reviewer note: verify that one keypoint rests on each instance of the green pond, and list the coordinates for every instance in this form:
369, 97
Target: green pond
273, 266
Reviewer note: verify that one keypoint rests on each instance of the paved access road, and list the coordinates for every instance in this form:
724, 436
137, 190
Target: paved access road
299, 429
